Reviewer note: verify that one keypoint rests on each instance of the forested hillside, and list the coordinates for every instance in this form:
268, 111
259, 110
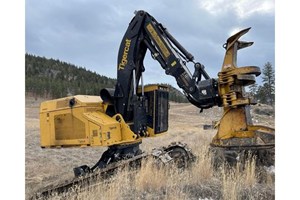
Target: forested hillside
50, 78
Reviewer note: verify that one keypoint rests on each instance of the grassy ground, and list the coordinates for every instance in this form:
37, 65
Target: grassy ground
49, 166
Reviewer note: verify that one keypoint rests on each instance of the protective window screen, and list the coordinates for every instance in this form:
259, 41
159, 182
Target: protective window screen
161, 111
150, 108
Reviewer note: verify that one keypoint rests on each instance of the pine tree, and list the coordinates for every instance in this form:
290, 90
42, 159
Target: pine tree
261, 95
269, 83
50, 78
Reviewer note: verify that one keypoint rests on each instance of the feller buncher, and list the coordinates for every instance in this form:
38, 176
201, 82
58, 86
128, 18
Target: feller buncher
121, 117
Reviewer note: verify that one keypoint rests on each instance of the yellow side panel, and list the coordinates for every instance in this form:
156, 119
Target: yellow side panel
84, 124
104, 130
95, 134
45, 129
68, 127
64, 127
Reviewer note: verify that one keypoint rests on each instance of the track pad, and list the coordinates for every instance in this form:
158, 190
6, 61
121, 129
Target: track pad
81, 171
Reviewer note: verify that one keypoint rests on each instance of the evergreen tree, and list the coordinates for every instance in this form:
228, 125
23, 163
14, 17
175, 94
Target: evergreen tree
261, 95
50, 78
269, 83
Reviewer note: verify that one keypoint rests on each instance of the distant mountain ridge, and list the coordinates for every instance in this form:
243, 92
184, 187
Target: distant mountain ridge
50, 78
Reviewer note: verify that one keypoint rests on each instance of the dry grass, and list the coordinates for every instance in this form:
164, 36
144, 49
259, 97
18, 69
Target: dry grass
200, 181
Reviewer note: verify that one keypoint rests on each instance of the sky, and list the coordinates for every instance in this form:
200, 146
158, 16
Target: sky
88, 33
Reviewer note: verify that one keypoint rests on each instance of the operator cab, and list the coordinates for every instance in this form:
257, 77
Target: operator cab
157, 108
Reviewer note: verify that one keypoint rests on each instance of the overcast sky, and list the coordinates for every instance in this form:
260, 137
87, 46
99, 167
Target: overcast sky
88, 33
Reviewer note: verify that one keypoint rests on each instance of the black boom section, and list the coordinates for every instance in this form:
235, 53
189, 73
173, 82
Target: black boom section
143, 33
131, 54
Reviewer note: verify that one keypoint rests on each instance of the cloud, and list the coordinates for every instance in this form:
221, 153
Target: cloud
88, 33
242, 8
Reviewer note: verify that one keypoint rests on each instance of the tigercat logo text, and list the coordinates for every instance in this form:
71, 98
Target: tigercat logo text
124, 60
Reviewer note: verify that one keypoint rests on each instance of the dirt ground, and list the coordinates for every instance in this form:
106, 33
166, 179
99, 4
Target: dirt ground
49, 166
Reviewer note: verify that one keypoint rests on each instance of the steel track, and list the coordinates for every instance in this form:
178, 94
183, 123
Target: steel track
177, 153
